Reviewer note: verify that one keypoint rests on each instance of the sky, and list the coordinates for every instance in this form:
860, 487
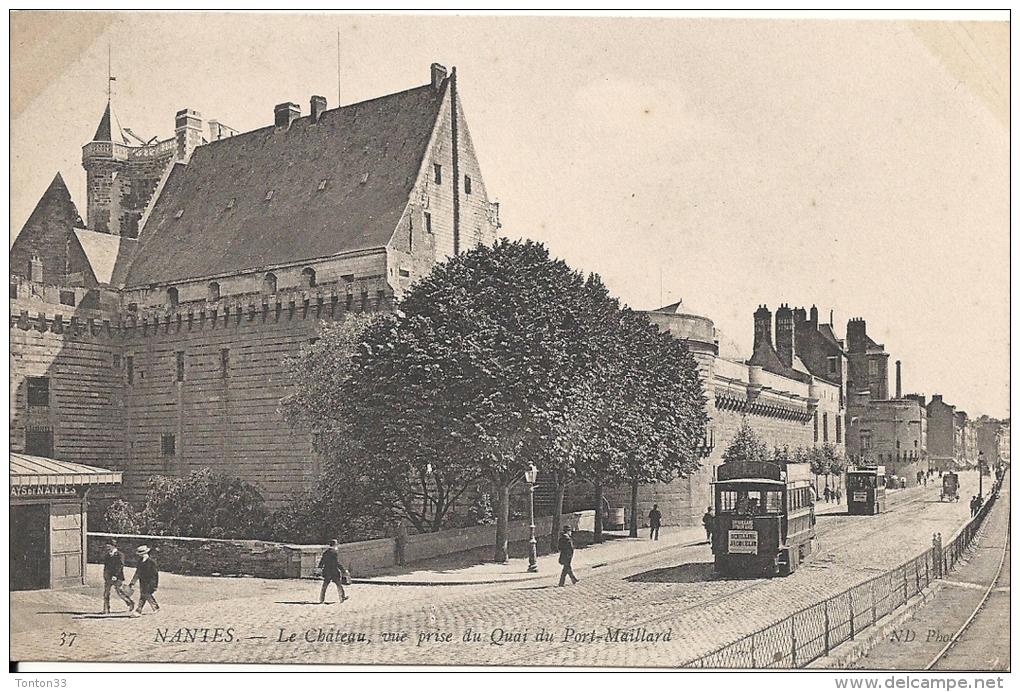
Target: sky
859, 166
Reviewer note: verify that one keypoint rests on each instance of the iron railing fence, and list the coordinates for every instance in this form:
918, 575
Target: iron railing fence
814, 631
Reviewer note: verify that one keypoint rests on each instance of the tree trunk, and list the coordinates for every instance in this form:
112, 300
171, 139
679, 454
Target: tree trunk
598, 512
633, 507
561, 489
502, 520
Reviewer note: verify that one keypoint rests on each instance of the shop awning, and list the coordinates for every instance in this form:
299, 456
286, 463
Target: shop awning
29, 470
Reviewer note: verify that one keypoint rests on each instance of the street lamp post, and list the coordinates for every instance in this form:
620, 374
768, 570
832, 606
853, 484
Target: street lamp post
981, 474
530, 475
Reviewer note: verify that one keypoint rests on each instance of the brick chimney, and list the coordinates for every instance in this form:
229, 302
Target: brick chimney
899, 382
785, 335
318, 107
188, 131
285, 114
762, 326
814, 317
856, 335
438, 76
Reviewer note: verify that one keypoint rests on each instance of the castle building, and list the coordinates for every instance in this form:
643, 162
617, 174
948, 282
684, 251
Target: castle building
155, 339
888, 431
774, 392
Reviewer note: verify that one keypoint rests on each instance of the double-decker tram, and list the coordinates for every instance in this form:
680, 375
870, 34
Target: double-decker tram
765, 519
865, 490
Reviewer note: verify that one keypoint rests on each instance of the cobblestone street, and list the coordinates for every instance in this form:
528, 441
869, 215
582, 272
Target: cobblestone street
667, 599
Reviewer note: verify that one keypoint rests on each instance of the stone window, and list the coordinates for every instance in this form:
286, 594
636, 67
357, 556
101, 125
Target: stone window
130, 365
816, 426
873, 367
467, 184
269, 284
168, 445
39, 442
438, 173
67, 298
404, 273
825, 427
214, 291
428, 222
180, 366
839, 429
833, 364
39, 391
308, 277
224, 363
172, 298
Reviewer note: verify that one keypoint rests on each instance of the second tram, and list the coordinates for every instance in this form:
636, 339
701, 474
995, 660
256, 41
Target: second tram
865, 490
765, 520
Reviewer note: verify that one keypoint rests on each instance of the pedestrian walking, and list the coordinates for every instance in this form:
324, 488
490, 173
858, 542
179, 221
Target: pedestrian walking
708, 521
566, 546
332, 571
828, 494
113, 577
147, 578
654, 522
839, 496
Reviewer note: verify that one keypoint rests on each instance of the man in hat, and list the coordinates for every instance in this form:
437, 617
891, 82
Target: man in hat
113, 577
654, 522
332, 571
147, 576
566, 546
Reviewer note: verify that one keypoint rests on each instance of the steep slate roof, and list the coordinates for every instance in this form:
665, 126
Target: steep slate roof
102, 250
46, 231
765, 356
370, 153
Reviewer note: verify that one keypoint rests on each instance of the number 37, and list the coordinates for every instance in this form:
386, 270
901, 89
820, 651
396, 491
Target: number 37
67, 638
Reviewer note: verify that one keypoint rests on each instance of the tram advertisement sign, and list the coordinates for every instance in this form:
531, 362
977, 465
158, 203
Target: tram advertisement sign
860, 496
743, 542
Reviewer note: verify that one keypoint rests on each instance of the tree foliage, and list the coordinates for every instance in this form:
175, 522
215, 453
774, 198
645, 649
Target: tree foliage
746, 445
500, 358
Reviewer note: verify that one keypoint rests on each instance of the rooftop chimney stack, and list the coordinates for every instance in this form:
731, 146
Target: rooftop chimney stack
188, 132
785, 335
438, 76
286, 113
899, 382
318, 107
762, 326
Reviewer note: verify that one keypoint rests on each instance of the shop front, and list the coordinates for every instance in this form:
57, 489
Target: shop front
49, 513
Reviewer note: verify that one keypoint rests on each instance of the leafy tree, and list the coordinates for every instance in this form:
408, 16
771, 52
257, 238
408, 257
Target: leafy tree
746, 445
204, 504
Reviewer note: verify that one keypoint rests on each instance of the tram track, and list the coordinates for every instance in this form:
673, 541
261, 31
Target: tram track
955, 639
884, 521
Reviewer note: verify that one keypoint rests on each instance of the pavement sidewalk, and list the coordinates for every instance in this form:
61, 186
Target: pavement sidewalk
617, 548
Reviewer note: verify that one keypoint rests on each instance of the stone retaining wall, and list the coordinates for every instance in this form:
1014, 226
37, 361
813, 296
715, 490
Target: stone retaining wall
213, 557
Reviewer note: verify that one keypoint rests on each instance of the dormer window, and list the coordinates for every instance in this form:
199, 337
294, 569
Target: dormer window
230, 204
179, 213
269, 195
322, 184
364, 179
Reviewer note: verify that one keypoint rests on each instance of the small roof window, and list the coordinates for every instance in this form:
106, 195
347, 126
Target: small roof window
322, 183
179, 213
230, 204
269, 195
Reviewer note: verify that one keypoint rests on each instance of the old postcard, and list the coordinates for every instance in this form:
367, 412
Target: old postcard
632, 342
